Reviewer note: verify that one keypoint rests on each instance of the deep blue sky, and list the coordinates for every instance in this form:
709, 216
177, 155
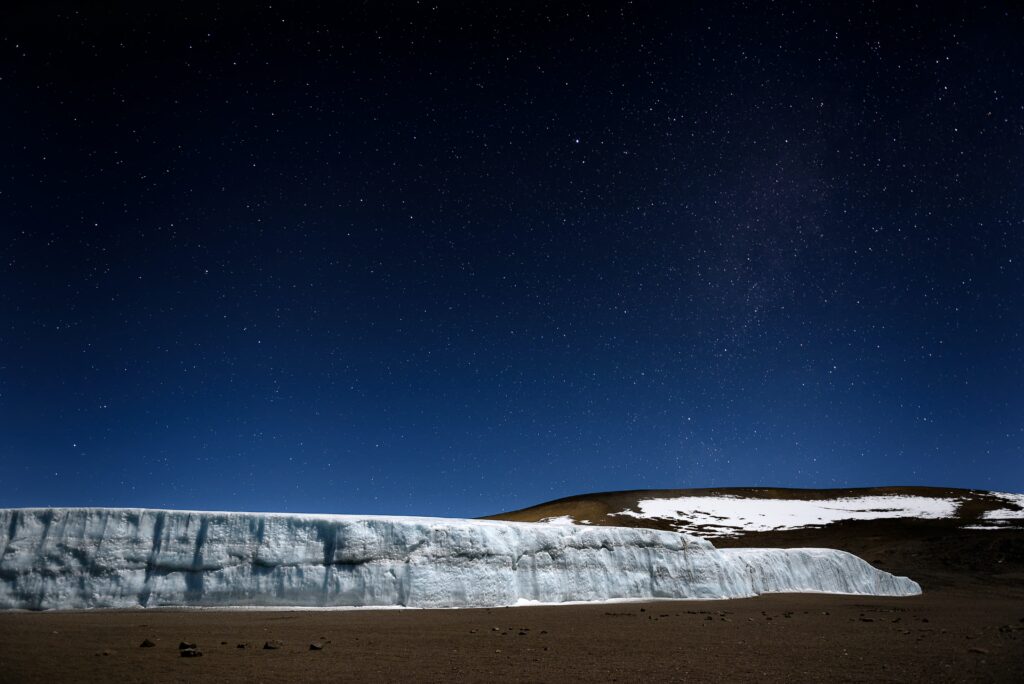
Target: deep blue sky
446, 260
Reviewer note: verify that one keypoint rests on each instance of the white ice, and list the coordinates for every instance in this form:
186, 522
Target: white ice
120, 558
730, 515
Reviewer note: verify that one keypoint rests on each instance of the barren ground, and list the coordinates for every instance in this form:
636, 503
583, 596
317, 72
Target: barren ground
945, 635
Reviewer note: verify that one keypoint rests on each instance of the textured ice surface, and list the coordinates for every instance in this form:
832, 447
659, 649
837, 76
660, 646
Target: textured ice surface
117, 558
732, 515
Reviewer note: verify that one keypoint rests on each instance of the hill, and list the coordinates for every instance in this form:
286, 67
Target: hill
938, 536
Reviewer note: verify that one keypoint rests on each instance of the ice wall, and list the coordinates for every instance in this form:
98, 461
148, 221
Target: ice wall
119, 558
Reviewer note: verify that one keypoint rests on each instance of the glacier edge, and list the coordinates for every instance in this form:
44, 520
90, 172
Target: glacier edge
73, 558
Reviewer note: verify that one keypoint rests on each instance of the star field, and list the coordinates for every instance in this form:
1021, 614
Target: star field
448, 259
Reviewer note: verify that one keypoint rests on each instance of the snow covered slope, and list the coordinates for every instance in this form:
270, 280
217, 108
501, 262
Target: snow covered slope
117, 558
748, 514
715, 516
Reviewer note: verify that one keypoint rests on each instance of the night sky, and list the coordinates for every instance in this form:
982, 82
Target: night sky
428, 258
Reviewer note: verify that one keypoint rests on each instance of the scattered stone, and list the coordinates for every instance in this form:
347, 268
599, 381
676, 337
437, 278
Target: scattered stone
977, 649
191, 653
184, 644
867, 619
522, 634
495, 629
146, 643
316, 646
272, 645
241, 646
223, 643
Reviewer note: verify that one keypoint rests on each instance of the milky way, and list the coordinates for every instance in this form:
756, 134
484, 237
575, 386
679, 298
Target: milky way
452, 260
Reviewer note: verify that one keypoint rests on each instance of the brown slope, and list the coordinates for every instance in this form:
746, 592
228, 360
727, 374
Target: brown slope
936, 553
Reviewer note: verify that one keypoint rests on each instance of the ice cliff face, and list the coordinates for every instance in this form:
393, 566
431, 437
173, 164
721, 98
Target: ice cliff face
119, 558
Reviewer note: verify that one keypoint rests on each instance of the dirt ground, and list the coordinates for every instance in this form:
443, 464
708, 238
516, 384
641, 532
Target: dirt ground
944, 635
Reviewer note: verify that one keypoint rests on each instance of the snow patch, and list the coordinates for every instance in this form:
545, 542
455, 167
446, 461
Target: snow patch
720, 516
559, 520
1004, 513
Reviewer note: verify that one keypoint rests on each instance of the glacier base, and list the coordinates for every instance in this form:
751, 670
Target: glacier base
59, 558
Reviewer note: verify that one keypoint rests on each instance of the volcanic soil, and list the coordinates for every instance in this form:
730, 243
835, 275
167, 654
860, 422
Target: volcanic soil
944, 635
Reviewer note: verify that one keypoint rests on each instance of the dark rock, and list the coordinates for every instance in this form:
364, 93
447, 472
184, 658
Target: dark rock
146, 643
184, 644
241, 646
316, 646
272, 645
976, 649
191, 653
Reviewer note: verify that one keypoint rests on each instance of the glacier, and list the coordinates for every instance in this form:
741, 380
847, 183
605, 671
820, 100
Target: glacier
75, 558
